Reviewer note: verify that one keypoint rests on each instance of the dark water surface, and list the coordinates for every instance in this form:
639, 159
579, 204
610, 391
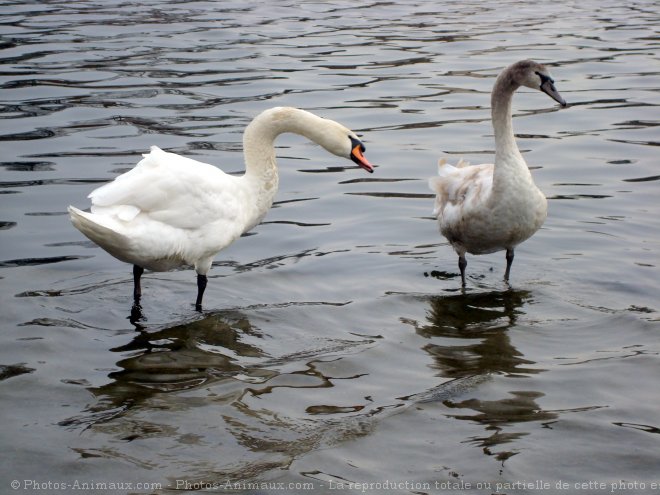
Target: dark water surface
335, 346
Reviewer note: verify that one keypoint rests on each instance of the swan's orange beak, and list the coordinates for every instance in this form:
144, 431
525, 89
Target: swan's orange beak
357, 155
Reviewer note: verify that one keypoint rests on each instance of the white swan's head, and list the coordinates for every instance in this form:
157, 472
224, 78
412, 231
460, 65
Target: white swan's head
343, 142
357, 154
333, 136
536, 76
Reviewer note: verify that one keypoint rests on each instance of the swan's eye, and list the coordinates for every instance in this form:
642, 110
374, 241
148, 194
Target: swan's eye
544, 78
357, 142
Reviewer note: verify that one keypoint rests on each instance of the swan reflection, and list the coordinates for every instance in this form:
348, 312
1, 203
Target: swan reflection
480, 321
207, 385
468, 336
177, 358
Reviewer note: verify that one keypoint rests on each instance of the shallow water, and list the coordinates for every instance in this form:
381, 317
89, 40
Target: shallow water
335, 346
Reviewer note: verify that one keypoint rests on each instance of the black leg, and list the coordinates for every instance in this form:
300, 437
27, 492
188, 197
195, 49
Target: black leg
201, 285
137, 288
509, 261
136, 315
462, 263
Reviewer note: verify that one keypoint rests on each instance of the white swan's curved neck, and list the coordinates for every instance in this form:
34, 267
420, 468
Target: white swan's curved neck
259, 149
259, 136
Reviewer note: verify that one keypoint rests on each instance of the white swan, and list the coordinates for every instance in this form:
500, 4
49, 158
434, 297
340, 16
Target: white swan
171, 211
486, 208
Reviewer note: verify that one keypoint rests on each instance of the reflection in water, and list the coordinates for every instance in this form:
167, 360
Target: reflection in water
187, 354
212, 368
483, 319
173, 359
495, 415
212, 388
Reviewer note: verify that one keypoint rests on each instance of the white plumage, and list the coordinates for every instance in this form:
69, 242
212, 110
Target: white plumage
172, 211
491, 207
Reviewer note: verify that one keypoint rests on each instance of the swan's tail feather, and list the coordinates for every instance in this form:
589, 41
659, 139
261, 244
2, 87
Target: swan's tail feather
103, 235
445, 169
437, 183
441, 184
